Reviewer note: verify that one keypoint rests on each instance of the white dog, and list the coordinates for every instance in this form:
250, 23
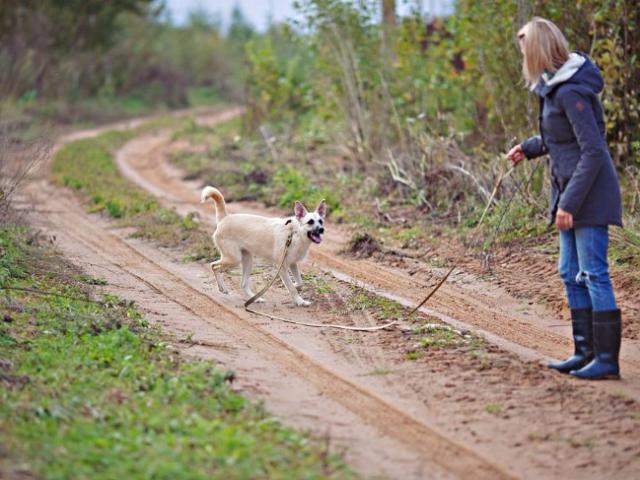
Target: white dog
239, 237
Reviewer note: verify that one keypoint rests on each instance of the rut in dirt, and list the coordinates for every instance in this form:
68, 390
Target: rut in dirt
466, 302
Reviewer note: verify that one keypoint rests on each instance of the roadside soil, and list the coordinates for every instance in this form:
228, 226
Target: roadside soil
398, 410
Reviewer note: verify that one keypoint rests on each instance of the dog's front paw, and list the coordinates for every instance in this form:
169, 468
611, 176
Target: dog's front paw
301, 302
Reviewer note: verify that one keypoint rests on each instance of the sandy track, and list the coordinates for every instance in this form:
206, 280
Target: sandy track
380, 438
530, 331
427, 420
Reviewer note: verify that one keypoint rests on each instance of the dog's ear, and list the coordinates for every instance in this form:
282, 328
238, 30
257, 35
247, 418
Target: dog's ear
322, 209
299, 210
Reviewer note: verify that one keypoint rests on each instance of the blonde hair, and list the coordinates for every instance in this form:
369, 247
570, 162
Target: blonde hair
544, 48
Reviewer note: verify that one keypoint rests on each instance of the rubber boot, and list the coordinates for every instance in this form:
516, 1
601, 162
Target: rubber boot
582, 323
607, 330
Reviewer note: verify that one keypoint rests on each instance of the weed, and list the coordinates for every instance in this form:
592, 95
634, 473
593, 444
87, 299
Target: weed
320, 284
484, 362
438, 336
493, 408
379, 372
438, 262
291, 185
407, 234
360, 299
413, 355
513, 222
89, 280
538, 437
589, 443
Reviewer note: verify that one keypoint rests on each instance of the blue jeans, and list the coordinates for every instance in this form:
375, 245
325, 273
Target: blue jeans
584, 268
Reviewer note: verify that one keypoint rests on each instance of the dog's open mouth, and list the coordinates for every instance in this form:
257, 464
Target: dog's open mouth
314, 237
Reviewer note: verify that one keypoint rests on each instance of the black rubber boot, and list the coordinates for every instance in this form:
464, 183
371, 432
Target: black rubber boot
582, 322
607, 330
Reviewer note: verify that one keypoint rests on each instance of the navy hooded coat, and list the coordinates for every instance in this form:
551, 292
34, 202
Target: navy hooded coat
572, 131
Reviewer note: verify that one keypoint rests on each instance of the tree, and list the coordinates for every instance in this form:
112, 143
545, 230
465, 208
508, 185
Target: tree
240, 31
389, 12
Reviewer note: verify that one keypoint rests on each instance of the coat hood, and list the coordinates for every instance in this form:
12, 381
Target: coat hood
579, 70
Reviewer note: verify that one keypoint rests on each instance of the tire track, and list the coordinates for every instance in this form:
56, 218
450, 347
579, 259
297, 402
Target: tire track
495, 316
372, 409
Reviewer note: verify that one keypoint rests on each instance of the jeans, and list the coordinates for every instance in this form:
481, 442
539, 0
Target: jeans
584, 268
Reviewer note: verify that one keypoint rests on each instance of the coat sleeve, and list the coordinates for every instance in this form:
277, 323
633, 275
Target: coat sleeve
593, 149
534, 147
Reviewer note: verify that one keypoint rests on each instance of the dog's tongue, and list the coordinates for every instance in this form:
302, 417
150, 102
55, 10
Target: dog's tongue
316, 238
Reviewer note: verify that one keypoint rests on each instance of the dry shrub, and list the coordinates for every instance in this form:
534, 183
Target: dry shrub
19, 154
437, 174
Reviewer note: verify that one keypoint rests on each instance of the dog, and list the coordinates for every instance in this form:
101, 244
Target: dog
239, 237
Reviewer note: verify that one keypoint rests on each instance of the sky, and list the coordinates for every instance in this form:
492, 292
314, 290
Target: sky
257, 12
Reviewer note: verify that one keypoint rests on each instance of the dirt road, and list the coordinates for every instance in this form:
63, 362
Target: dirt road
465, 301
445, 415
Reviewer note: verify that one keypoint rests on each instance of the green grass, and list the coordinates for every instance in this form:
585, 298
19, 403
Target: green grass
220, 155
378, 372
212, 136
290, 184
438, 336
384, 309
624, 248
88, 167
319, 283
493, 408
201, 96
508, 222
90, 391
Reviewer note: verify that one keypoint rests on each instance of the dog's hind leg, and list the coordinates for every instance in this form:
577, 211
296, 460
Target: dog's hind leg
297, 278
220, 266
286, 279
245, 283
217, 268
230, 256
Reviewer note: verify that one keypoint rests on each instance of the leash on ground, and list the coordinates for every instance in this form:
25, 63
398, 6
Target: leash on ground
268, 285
394, 323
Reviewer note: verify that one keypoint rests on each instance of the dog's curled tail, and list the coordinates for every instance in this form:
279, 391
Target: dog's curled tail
218, 199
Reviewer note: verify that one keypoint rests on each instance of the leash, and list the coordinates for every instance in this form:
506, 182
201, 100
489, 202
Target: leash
270, 283
247, 304
273, 279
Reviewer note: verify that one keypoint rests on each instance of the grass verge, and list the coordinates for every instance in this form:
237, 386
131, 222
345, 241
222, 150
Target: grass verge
88, 167
89, 390
245, 169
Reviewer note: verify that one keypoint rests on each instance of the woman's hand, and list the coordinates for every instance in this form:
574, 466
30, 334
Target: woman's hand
564, 220
516, 155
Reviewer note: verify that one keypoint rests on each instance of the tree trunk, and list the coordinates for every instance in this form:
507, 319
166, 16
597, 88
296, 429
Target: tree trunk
389, 12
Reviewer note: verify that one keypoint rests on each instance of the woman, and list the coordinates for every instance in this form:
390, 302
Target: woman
585, 194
